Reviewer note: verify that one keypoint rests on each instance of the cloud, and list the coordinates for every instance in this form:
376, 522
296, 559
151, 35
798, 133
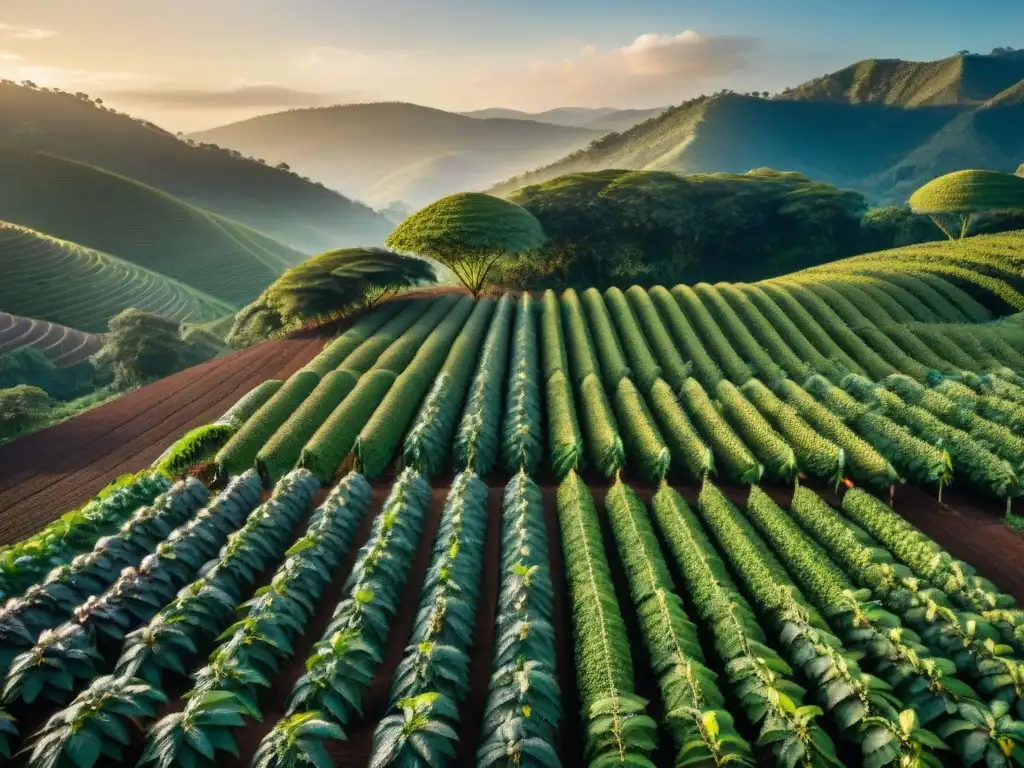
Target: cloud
652, 67
251, 96
16, 32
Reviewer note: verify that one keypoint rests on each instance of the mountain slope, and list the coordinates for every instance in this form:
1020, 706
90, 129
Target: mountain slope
836, 131
65, 283
119, 216
308, 217
965, 80
354, 147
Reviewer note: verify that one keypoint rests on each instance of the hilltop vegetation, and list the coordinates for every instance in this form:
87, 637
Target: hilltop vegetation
394, 151
66, 283
305, 215
325, 287
883, 128
620, 227
110, 213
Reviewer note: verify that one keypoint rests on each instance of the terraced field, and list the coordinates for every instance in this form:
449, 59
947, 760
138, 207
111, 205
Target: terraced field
140, 224
62, 345
641, 527
47, 278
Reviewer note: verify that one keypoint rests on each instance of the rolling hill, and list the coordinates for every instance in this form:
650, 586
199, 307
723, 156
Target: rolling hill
59, 281
301, 213
140, 224
62, 345
882, 128
388, 151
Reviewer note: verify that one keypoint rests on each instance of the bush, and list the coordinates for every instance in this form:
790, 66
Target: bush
28, 365
142, 347
21, 407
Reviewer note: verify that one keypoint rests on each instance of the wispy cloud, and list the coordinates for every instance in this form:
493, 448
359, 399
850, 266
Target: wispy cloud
254, 95
653, 67
17, 32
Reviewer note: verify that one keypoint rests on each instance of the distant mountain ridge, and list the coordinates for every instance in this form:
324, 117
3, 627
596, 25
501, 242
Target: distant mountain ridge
966, 80
880, 127
396, 151
298, 212
596, 118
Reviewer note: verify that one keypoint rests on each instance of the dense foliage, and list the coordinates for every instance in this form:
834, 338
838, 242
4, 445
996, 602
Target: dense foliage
618, 227
142, 347
324, 287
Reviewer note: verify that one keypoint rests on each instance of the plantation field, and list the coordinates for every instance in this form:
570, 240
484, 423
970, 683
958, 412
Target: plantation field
62, 345
701, 525
46, 278
143, 225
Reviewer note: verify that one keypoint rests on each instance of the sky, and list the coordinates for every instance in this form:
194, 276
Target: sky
194, 64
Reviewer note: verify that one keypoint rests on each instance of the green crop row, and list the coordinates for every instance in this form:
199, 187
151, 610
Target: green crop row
478, 439
703, 367
731, 454
381, 435
674, 369
645, 447
610, 357
702, 730
428, 440
644, 369
616, 726
771, 450
337, 351
523, 707
433, 677
239, 453
736, 370
815, 454
521, 439
862, 707
760, 679
741, 338
753, 321
342, 663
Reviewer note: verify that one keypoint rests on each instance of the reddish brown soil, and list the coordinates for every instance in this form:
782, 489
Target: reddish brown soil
47, 473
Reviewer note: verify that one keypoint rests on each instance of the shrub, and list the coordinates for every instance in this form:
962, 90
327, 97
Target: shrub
21, 407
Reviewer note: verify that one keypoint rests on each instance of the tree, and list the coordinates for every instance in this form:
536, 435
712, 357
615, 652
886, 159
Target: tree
283, 167
142, 347
325, 287
468, 233
21, 407
963, 194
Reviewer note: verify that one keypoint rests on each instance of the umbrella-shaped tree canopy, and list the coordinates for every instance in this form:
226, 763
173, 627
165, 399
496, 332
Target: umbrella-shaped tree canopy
324, 286
965, 193
468, 233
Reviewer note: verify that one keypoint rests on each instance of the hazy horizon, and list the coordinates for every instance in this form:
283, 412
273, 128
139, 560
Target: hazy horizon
194, 65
